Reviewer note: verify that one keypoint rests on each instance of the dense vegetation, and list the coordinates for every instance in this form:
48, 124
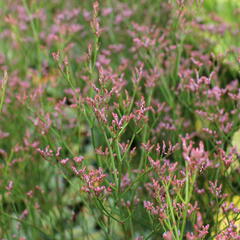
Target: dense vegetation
119, 119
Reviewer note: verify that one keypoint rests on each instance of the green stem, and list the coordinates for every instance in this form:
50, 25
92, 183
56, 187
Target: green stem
3, 90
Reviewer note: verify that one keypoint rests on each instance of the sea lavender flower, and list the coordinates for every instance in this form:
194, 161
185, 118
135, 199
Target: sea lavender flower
197, 158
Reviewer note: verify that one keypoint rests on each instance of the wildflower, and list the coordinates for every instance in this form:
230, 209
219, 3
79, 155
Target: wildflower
78, 159
216, 190
167, 236
64, 161
9, 187
197, 158
47, 152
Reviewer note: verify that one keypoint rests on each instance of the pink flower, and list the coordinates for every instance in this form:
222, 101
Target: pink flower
167, 236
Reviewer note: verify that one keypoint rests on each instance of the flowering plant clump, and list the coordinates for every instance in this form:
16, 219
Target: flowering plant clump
120, 120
